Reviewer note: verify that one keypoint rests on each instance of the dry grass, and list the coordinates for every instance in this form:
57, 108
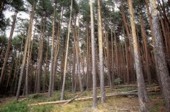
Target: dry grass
119, 104
113, 104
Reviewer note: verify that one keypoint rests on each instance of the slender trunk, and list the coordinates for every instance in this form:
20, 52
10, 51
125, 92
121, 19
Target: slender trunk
25, 52
100, 42
112, 57
93, 56
40, 56
140, 79
28, 61
116, 55
73, 71
145, 51
67, 45
127, 59
89, 67
108, 61
50, 88
8, 47
78, 55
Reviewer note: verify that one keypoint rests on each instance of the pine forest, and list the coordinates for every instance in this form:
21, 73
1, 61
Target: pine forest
84, 55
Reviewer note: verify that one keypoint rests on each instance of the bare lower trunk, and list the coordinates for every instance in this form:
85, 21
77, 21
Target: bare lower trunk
40, 56
93, 56
25, 52
145, 51
100, 42
139, 73
67, 45
50, 88
160, 55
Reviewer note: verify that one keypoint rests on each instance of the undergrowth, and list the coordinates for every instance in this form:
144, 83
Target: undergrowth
112, 103
15, 107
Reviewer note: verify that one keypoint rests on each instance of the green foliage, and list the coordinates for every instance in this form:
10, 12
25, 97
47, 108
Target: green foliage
118, 81
18, 5
3, 40
44, 8
32, 1
85, 10
15, 107
3, 23
18, 42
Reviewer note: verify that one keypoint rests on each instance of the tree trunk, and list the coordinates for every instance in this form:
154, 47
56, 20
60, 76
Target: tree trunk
100, 42
145, 51
25, 52
93, 56
50, 88
140, 79
40, 55
160, 55
112, 58
67, 45
8, 47
78, 54
28, 61
108, 60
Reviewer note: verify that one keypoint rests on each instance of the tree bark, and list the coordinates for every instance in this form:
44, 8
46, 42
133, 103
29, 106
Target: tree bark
25, 52
145, 51
50, 88
93, 55
100, 42
140, 79
160, 55
67, 45
8, 47
40, 56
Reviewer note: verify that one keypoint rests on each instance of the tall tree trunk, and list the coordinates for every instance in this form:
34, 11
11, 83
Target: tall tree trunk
50, 88
160, 55
151, 27
67, 45
116, 54
78, 54
89, 67
28, 61
55, 59
25, 51
93, 55
145, 51
73, 70
8, 47
112, 57
100, 42
126, 58
57, 47
140, 79
46, 67
40, 55
108, 60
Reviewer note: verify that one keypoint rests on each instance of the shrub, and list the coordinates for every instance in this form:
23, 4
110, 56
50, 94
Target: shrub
117, 81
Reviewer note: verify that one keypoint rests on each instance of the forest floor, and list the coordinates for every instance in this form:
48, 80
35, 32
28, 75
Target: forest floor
124, 103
